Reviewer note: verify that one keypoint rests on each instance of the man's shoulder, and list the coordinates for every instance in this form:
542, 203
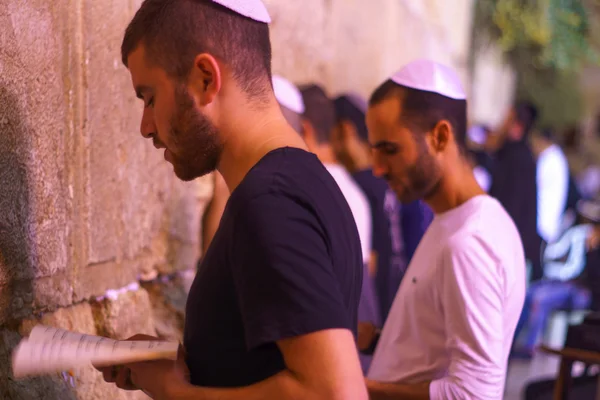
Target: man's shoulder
490, 230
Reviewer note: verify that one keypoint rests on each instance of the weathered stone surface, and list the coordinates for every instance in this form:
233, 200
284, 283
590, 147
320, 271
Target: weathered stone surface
168, 297
95, 280
127, 315
51, 292
128, 180
16, 301
49, 387
32, 113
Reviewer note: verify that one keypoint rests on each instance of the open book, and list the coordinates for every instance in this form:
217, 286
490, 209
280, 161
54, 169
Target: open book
49, 350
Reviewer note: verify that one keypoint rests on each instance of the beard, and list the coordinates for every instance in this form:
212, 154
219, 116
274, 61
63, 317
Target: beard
423, 177
197, 147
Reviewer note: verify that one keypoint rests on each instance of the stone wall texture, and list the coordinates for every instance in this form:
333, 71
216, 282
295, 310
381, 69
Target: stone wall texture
87, 206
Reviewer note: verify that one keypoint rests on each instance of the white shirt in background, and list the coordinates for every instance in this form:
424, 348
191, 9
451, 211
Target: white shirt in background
455, 314
553, 187
359, 205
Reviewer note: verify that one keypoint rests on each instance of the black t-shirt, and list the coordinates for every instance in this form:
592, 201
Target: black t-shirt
286, 261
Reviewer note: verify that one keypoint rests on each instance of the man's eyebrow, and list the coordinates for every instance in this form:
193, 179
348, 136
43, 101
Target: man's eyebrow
140, 90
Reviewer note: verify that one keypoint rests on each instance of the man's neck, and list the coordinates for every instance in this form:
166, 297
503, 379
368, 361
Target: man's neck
247, 142
456, 188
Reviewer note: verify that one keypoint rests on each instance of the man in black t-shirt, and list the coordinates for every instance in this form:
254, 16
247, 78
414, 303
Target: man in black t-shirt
272, 313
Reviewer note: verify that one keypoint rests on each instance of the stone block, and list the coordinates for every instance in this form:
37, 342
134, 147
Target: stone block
32, 116
95, 280
51, 292
128, 179
125, 315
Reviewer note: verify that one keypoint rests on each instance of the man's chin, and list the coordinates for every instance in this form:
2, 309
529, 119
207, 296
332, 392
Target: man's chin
188, 175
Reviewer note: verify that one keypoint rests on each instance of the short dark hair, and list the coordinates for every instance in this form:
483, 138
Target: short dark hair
422, 110
319, 111
346, 110
526, 113
174, 32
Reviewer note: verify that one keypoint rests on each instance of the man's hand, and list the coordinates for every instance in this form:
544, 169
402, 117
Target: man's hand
155, 378
161, 379
119, 374
367, 332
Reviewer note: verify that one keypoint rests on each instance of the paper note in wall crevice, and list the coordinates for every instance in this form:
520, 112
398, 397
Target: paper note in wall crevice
49, 350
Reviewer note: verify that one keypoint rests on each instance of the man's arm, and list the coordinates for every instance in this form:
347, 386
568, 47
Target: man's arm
397, 391
472, 297
317, 368
472, 282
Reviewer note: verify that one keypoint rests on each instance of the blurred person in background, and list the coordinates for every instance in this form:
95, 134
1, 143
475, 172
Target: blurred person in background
514, 180
397, 228
319, 125
566, 282
450, 329
552, 177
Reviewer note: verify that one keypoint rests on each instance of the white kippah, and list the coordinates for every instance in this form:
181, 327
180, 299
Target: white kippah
430, 76
288, 95
253, 9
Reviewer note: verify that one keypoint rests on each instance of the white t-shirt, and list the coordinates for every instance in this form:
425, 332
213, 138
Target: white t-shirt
553, 187
357, 200
455, 314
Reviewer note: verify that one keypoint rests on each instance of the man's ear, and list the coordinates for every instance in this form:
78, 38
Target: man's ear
205, 79
441, 136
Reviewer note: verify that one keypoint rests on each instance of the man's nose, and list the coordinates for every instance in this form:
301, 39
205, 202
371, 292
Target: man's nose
147, 127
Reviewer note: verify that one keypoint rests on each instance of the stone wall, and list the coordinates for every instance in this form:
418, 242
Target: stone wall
96, 233
86, 205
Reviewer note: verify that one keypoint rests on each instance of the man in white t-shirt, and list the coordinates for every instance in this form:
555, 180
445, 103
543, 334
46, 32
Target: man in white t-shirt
450, 329
552, 175
319, 122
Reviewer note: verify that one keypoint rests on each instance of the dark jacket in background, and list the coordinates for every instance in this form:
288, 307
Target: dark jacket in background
514, 184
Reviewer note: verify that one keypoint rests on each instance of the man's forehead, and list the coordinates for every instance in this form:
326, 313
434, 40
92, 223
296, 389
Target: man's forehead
385, 112
139, 67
